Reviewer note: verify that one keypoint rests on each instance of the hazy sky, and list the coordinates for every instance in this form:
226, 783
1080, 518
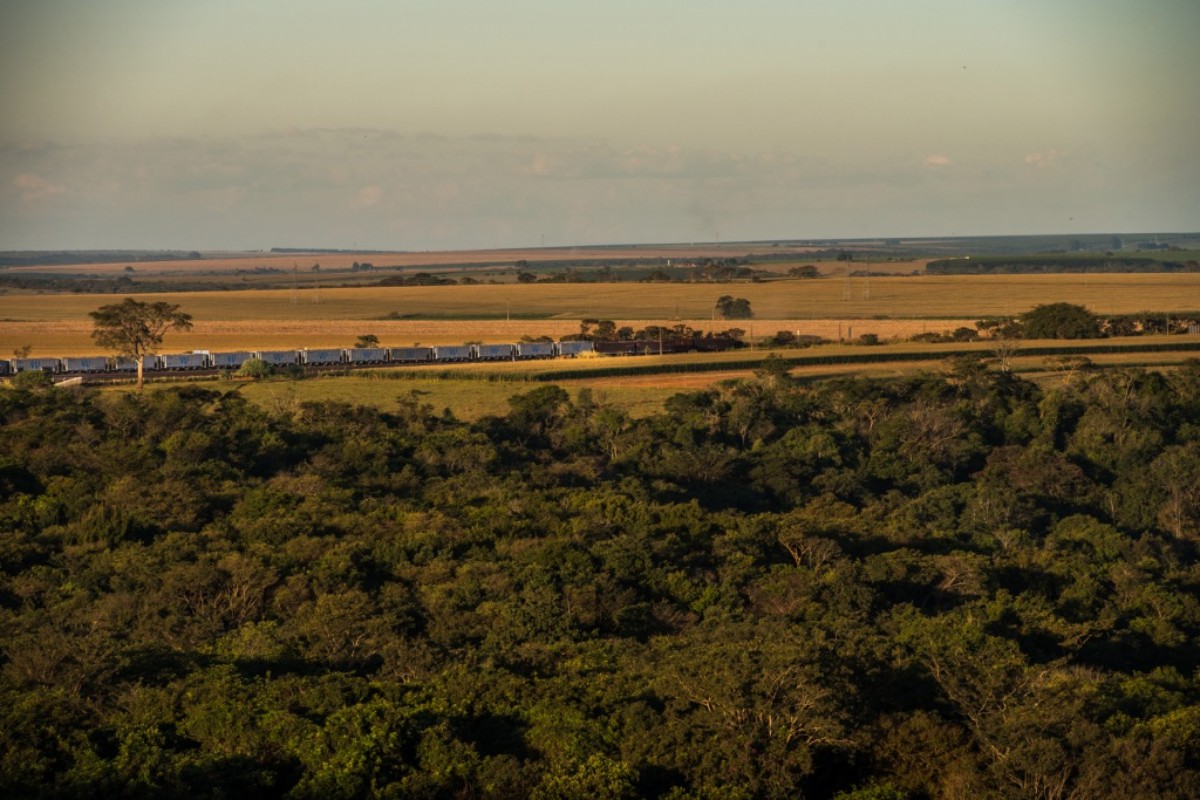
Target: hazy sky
227, 124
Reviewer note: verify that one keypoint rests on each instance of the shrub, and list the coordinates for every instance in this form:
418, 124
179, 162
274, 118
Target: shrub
32, 380
255, 368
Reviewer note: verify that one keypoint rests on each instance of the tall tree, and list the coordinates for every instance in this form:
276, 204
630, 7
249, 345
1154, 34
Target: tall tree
734, 307
1059, 321
134, 328
367, 340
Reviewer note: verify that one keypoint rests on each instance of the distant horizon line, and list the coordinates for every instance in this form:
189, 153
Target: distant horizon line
717, 243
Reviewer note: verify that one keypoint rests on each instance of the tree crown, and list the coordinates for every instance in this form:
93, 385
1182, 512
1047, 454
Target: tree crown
1059, 321
134, 328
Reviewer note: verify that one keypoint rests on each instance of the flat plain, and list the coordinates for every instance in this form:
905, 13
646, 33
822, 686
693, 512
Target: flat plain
286, 261
891, 307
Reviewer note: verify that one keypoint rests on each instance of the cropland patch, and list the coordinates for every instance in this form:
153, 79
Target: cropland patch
901, 297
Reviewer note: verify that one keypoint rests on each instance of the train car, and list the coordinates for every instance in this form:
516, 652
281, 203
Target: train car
535, 350
570, 349
183, 361
366, 355
279, 358
229, 360
688, 344
410, 355
125, 364
494, 352
714, 344
454, 352
625, 348
5, 367
85, 364
315, 357
34, 364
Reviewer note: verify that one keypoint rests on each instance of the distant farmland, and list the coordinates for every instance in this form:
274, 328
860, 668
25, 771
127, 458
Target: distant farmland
890, 307
303, 261
913, 297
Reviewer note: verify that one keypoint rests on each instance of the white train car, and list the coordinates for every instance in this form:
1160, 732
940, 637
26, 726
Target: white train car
572, 349
321, 357
410, 355
232, 360
494, 352
278, 358
183, 361
85, 364
454, 352
35, 364
535, 350
366, 355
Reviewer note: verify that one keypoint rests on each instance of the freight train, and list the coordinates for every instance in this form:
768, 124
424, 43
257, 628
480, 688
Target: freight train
363, 356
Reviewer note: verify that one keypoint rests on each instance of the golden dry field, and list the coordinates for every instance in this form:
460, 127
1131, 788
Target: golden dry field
912, 297
892, 307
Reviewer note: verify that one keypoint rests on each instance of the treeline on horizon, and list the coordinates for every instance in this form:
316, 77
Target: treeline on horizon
950, 585
1054, 263
30, 258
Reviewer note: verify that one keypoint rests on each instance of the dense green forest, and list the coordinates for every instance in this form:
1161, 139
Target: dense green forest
949, 586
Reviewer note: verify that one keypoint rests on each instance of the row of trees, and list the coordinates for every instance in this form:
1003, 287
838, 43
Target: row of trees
1069, 321
951, 585
1108, 262
605, 330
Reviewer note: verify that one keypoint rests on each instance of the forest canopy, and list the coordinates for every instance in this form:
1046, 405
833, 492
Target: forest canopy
952, 585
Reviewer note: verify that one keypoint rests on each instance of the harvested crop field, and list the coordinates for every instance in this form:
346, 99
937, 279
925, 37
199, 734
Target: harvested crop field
891, 308
909, 297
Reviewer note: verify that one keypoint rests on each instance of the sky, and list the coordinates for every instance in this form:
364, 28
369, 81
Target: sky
448, 124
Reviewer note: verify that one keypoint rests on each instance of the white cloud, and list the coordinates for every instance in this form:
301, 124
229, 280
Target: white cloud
577, 161
336, 188
1044, 160
35, 188
223, 199
367, 196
